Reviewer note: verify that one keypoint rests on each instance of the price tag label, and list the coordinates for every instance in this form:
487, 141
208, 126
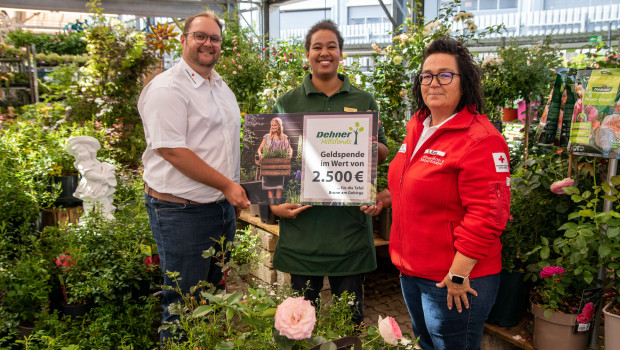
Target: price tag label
338, 158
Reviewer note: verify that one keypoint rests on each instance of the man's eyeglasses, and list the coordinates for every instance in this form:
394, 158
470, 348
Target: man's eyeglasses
201, 38
443, 78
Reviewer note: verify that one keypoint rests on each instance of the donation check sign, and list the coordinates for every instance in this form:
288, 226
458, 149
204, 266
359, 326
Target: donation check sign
338, 159
310, 158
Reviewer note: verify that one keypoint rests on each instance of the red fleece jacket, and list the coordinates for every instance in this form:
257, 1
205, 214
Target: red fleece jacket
454, 195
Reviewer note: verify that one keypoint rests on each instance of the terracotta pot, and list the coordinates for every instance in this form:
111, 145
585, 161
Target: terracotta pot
510, 114
556, 332
612, 328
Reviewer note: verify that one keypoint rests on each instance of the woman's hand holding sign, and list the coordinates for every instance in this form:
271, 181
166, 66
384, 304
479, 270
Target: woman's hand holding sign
288, 210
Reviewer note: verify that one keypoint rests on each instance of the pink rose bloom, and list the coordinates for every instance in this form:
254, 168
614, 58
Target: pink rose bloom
389, 330
582, 319
295, 318
557, 187
612, 122
549, 271
587, 313
591, 112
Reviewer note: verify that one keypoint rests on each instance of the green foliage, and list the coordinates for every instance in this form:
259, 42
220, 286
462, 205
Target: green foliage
26, 277
110, 84
519, 73
62, 44
106, 257
124, 324
286, 69
245, 251
397, 64
60, 82
590, 240
241, 64
600, 56
536, 211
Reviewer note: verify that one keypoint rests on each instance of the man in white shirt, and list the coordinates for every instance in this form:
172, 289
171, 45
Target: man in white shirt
191, 162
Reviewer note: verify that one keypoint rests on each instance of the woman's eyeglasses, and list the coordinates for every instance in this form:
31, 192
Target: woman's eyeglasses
443, 78
201, 38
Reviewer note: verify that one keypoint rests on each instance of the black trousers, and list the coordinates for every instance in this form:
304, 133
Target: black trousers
311, 287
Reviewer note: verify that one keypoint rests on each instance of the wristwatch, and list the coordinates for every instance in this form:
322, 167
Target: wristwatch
457, 279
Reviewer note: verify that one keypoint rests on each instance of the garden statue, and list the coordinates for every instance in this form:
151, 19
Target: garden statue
98, 182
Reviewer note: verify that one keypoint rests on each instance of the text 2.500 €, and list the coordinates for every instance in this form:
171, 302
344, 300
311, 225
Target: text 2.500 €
338, 176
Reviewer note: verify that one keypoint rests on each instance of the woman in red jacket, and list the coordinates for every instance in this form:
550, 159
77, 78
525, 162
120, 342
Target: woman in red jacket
449, 186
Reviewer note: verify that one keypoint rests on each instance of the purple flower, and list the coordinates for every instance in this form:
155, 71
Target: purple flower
298, 175
549, 271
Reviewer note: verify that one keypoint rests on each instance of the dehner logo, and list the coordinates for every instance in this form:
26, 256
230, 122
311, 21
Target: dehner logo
602, 88
331, 137
356, 131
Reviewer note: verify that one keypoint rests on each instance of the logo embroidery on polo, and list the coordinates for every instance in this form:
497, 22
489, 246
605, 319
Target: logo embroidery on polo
501, 162
432, 159
435, 153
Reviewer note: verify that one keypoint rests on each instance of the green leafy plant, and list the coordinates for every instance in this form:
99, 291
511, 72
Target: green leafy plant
598, 56
590, 240
518, 72
26, 278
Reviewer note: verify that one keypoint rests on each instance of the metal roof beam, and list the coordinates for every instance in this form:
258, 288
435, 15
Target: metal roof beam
152, 8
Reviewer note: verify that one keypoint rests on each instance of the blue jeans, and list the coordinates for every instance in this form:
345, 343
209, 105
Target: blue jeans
182, 232
440, 328
312, 285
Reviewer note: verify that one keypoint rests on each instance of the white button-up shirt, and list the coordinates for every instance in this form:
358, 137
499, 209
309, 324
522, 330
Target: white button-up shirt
180, 109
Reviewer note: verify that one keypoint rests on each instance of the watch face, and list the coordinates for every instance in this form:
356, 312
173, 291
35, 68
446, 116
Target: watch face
458, 279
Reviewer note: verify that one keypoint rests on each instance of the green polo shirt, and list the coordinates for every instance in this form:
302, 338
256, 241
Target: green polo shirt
324, 240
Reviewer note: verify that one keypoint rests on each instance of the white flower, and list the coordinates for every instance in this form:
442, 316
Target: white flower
488, 60
283, 73
389, 330
398, 59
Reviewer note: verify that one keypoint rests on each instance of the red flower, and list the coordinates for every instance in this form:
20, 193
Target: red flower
549, 271
65, 261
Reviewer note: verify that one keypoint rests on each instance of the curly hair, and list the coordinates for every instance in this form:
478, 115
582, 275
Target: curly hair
471, 87
325, 24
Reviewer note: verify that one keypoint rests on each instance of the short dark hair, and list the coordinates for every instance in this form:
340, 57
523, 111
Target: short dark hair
325, 24
471, 88
208, 14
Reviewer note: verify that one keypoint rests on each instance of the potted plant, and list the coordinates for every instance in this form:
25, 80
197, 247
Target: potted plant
518, 72
536, 212
570, 265
25, 281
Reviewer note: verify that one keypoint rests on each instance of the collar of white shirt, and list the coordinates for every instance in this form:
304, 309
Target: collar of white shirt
196, 79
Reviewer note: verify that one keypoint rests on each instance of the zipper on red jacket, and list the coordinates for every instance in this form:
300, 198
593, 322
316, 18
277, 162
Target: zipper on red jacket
400, 200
